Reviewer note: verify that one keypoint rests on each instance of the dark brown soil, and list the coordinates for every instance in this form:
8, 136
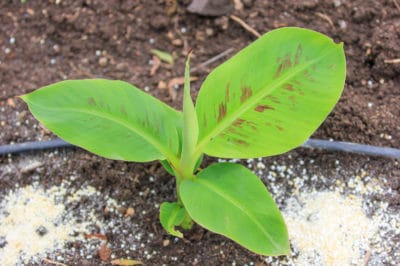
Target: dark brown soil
42, 42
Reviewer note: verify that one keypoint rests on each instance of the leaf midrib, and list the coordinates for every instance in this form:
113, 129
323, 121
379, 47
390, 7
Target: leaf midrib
239, 206
151, 140
253, 100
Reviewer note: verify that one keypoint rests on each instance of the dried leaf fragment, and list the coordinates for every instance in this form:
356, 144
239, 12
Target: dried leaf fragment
96, 235
126, 262
177, 81
130, 212
156, 65
104, 252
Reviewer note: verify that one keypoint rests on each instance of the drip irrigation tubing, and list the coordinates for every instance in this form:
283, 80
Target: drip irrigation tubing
311, 143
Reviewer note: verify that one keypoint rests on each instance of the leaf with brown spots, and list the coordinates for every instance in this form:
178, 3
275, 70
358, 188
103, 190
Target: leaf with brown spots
246, 93
271, 96
262, 107
89, 113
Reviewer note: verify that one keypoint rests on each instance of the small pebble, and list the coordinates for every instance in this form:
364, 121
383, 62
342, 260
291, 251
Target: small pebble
41, 230
342, 24
166, 242
337, 3
56, 48
130, 212
12, 40
3, 241
209, 32
103, 61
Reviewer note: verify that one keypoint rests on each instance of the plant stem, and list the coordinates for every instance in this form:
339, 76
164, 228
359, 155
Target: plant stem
190, 130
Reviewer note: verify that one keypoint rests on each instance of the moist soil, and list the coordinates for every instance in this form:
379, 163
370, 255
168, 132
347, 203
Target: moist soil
42, 42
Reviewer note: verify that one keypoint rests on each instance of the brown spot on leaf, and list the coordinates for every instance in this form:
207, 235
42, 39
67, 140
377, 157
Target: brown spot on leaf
241, 142
284, 64
296, 82
123, 110
227, 92
274, 99
292, 99
288, 87
299, 52
221, 111
246, 93
91, 101
204, 120
279, 128
308, 76
262, 107
238, 122
231, 130
252, 125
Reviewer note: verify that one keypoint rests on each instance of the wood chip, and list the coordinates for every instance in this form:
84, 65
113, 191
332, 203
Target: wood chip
161, 85
126, 262
392, 61
171, 7
104, 253
11, 102
238, 4
166, 242
31, 166
130, 212
177, 81
96, 235
156, 65
52, 262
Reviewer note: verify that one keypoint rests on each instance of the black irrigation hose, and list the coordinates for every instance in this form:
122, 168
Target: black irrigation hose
311, 143
353, 148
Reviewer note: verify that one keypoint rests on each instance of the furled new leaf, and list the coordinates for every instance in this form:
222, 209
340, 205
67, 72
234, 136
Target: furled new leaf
230, 200
271, 96
110, 118
171, 215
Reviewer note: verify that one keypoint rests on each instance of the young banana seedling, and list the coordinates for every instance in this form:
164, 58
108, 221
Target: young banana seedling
266, 100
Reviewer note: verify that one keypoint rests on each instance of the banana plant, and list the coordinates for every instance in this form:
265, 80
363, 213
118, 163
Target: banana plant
266, 100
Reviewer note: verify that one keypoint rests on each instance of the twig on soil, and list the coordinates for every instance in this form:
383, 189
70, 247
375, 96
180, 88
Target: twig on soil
396, 4
245, 25
325, 17
54, 262
392, 61
176, 82
212, 60
156, 65
81, 71
367, 257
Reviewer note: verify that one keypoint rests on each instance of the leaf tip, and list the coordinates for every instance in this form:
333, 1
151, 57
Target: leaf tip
24, 97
